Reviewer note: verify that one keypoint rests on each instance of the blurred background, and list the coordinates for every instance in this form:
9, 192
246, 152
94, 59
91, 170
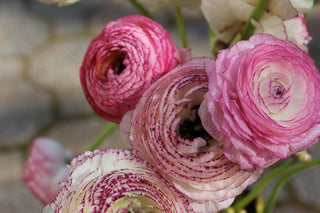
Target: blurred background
41, 50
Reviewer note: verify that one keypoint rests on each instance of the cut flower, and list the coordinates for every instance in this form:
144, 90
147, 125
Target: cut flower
228, 17
45, 168
123, 61
115, 181
166, 130
264, 100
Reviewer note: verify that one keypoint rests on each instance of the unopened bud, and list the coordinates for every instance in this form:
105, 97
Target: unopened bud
303, 156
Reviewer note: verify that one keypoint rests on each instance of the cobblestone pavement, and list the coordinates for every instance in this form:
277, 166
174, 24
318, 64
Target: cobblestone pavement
41, 49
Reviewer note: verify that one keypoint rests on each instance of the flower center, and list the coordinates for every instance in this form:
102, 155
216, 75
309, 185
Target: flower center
118, 65
276, 89
191, 127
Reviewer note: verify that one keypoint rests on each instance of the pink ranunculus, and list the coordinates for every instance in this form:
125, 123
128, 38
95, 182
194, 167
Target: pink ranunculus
166, 130
45, 168
123, 61
263, 101
118, 181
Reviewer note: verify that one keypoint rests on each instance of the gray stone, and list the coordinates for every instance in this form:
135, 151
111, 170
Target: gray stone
24, 110
313, 25
11, 167
197, 36
56, 67
64, 20
109, 11
20, 31
16, 198
10, 67
307, 185
77, 135
292, 208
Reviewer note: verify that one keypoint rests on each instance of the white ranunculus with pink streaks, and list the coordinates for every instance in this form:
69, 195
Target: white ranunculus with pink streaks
263, 101
45, 168
281, 19
166, 130
123, 61
115, 181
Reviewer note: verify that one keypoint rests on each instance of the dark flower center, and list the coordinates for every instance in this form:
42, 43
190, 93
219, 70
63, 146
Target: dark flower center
117, 65
277, 90
191, 127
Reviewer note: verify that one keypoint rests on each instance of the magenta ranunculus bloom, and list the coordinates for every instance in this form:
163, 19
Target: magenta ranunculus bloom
45, 168
166, 130
263, 101
123, 61
117, 181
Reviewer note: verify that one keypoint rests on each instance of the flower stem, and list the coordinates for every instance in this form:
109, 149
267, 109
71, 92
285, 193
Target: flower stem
308, 12
256, 14
284, 179
142, 10
181, 28
102, 135
242, 203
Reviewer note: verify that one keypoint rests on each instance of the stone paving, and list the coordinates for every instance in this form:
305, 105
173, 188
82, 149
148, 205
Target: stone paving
41, 49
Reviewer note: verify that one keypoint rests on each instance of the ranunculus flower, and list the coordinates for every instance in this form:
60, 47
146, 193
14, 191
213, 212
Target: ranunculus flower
263, 101
281, 19
294, 29
166, 130
45, 168
60, 2
117, 181
123, 61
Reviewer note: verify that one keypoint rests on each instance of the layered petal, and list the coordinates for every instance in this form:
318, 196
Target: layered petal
264, 99
45, 168
293, 29
123, 61
281, 19
114, 180
167, 131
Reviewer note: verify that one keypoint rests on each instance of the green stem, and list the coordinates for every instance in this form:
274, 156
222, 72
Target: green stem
242, 203
308, 13
102, 135
142, 10
181, 28
256, 15
284, 179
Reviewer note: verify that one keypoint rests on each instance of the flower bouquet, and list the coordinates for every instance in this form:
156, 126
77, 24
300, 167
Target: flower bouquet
201, 130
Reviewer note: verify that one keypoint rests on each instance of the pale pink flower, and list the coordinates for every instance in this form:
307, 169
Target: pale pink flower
166, 130
293, 29
45, 168
123, 61
60, 2
118, 181
281, 19
263, 101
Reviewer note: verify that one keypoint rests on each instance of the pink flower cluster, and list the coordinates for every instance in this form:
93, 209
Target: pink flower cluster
201, 130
